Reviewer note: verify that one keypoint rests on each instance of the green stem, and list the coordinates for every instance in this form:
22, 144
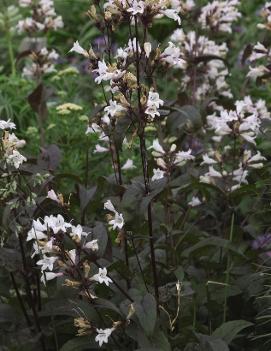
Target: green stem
11, 53
227, 281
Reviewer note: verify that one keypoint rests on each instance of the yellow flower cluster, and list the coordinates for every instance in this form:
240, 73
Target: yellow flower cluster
67, 108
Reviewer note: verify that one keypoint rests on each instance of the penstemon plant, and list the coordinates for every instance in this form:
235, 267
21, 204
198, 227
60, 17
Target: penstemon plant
169, 249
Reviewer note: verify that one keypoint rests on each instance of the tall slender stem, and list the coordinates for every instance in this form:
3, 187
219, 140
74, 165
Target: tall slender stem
28, 321
144, 160
227, 280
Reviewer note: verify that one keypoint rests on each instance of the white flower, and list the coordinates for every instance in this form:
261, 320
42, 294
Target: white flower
118, 221
256, 72
77, 232
47, 263
109, 206
240, 175
219, 15
257, 157
92, 245
46, 276
161, 163
103, 335
16, 159
25, 3
207, 160
157, 148
154, 100
152, 111
48, 247
195, 201
259, 51
213, 173
94, 128
78, 49
136, 8
157, 174
12, 139
53, 196
171, 55
129, 164
100, 149
35, 235
113, 109
147, 49
36, 232
101, 277
7, 124
173, 14
72, 255
178, 36
56, 223
104, 74
182, 156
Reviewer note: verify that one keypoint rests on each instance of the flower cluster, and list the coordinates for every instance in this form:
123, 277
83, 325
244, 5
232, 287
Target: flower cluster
116, 220
84, 327
168, 159
10, 145
266, 14
43, 62
219, 15
43, 17
147, 10
48, 238
261, 55
188, 52
234, 130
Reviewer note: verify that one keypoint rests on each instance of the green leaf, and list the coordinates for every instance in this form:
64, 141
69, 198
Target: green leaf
211, 343
83, 343
146, 313
161, 184
183, 118
85, 196
216, 345
212, 241
161, 342
228, 331
100, 233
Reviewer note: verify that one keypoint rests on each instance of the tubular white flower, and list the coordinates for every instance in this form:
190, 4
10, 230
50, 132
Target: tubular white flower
92, 245
103, 335
15, 159
157, 174
46, 276
7, 124
195, 201
47, 263
53, 196
117, 221
78, 49
129, 164
109, 206
100, 149
182, 157
147, 49
101, 277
